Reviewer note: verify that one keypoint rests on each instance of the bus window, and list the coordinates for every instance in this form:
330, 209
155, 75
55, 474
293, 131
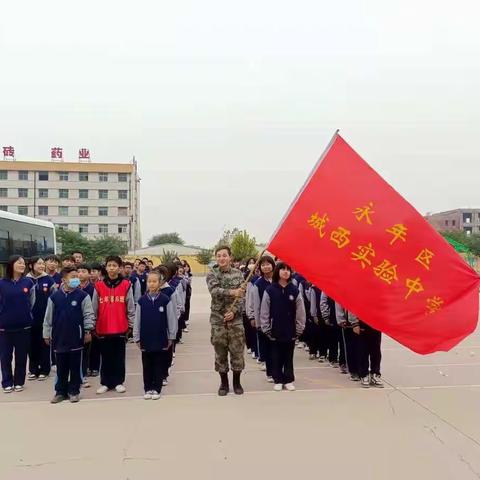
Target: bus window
22, 244
4, 247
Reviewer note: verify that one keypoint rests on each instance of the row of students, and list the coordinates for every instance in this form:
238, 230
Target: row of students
107, 307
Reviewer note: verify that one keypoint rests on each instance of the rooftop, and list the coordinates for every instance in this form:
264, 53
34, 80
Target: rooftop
66, 166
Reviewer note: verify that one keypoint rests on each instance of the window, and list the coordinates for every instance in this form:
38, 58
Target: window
122, 228
63, 211
467, 218
122, 194
3, 192
43, 176
122, 211
103, 228
43, 211
83, 211
103, 177
62, 226
467, 230
103, 194
4, 208
446, 223
83, 228
23, 175
454, 222
122, 177
83, 193
3, 175
22, 192
83, 176
63, 193
23, 210
63, 176
43, 192
103, 211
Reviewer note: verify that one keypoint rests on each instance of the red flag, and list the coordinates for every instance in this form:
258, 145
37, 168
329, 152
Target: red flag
352, 235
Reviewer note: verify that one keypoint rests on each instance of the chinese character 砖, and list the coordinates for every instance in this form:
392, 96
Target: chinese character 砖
57, 152
414, 286
434, 304
84, 153
364, 213
340, 237
425, 257
386, 272
399, 232
364, 251
8, 152
319, 223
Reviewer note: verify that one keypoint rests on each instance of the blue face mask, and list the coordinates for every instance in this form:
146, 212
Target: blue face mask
74, 282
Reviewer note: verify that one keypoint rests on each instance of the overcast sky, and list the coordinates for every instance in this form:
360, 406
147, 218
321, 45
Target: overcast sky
227, 106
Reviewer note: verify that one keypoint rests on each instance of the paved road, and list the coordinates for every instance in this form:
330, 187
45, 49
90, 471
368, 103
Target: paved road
424, 425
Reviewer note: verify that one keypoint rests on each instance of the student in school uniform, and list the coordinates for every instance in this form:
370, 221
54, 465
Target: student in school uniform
369, 355
52, 262
133, 279
78, 257
17, 298
68, 261
335, 336
176, 282
142, 276
69, 318
249, 313
154, 331
267, 267
282, 319
187, 273
301, 283
39, 352
114, 310
317, 339
93, 346
96, 273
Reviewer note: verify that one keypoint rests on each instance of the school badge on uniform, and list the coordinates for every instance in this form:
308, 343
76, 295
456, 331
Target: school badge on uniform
161, 309
291, 298
74, 303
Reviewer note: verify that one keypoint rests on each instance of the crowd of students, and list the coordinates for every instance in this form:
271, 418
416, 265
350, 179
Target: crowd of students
282, 309
77, 318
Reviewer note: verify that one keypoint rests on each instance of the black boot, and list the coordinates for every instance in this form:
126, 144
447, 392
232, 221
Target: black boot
224, 387
237, 387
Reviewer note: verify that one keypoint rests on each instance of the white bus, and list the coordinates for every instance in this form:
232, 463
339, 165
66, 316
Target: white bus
26, 236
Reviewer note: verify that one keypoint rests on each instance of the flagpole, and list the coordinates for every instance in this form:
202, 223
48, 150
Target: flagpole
292, 204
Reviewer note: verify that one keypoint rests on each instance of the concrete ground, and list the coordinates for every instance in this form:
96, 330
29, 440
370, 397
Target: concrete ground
425, 424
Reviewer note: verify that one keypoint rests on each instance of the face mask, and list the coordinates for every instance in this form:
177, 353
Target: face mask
74, 282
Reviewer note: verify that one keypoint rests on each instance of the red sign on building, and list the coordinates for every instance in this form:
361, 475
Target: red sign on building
84, 154
8, 152
57, 153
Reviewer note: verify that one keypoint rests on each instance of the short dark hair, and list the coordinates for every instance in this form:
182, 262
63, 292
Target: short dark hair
78, 251
11, 261
68, 257
52, 257
266, 259
84, 266
114, 258
96, 266
163, 271
67, 270
32, 261
276, 272
141, 262
145, 258
224, 247
128, 264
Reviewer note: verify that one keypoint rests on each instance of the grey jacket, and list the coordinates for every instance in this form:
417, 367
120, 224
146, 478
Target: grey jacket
344, 316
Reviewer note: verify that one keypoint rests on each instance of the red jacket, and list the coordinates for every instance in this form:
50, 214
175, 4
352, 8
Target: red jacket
112, 309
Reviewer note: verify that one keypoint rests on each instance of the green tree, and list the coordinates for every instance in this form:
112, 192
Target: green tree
472, 241
73, 241
105, 246
204, 256
168, 256
243, 246
163, 238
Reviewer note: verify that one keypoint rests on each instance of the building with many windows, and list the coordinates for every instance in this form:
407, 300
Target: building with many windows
463, 219
94, 199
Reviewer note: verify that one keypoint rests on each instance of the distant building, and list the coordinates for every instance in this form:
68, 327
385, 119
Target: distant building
95, 199
463, 219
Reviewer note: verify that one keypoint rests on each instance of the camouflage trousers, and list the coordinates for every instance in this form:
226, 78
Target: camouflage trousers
227, 339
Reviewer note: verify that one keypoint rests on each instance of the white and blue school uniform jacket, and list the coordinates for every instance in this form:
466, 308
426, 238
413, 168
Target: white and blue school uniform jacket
257, 294
180, 294
69, 315
44, 287
249, 300
17, 298
282, 314
155, 322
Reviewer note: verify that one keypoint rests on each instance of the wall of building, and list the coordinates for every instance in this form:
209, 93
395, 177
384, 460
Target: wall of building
455, 220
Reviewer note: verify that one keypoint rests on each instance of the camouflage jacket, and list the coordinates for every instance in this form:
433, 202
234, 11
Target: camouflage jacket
219, 283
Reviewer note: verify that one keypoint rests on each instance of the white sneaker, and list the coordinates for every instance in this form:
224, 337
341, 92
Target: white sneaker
306, 348
290, 387
155, 395
148, 395
103, 389
85, 384
263, 367
120, 389
249, 351
165, 382
19, 388
31, 376
322, 359
253, 355
270, 379
42, 377
8, 390
278, 387
186, 330
311, 356
376, 381
299, 345
173, 354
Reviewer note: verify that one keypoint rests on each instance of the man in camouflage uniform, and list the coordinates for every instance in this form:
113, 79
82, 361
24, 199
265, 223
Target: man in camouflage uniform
228, 335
